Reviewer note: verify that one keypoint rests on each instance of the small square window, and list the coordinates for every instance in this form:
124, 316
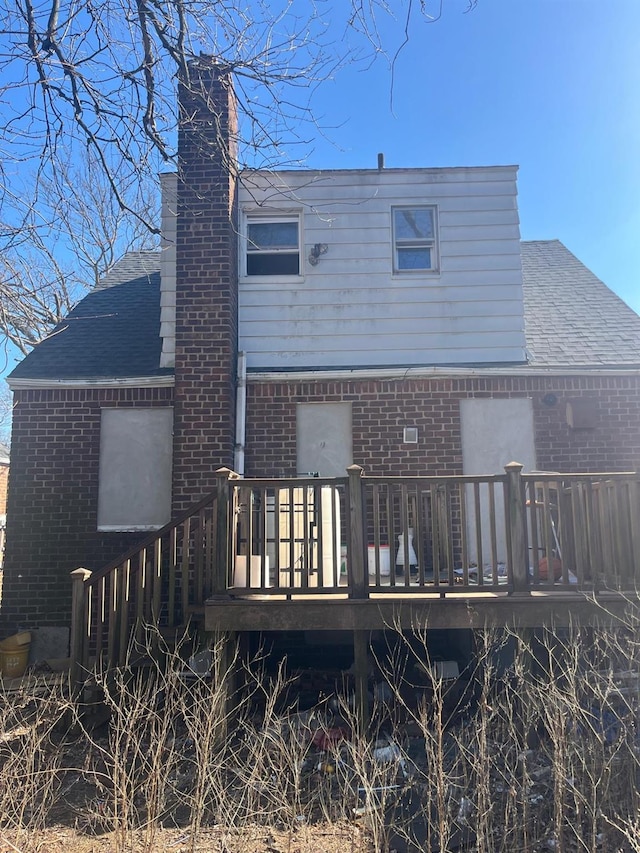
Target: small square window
272, 246
414, 239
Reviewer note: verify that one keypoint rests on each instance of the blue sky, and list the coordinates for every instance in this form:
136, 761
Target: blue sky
551, 85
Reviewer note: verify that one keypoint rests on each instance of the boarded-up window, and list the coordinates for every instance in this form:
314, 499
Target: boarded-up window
135, 469
494, 433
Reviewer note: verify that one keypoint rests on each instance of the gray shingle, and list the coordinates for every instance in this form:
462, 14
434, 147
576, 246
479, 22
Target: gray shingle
571, 317
113, 332
134, 265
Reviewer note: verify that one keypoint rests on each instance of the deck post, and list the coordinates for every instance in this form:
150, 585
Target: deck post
517, 527
356, 561
223, 529
79, 627
225, 666
361, 672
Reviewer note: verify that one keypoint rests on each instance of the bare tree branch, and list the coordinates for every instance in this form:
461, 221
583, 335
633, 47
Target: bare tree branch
94, 82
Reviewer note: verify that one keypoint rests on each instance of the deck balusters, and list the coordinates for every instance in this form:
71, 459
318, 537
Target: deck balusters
292, 534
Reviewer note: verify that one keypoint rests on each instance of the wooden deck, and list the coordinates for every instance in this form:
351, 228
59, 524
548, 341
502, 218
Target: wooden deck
459, 610
361, 553
523, 550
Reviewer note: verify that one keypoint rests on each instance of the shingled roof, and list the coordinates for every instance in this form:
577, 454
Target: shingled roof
113, 332
572, 320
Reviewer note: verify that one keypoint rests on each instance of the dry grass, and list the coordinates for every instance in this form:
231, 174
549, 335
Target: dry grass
540, 752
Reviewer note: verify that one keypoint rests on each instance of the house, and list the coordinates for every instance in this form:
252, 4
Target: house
300, 321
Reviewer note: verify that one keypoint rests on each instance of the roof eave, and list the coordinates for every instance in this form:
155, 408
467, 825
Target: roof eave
165, 381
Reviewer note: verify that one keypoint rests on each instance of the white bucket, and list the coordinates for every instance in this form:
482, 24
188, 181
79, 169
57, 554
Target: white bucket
385, 560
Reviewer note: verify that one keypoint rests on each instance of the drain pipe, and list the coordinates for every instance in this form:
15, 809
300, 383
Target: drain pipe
241, 414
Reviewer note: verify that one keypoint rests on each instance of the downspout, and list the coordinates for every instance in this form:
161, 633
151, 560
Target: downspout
241, 414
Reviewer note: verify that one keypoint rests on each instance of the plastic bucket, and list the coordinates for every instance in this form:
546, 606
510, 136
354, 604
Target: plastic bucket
14, 654
385, 560
15, 641
14, 661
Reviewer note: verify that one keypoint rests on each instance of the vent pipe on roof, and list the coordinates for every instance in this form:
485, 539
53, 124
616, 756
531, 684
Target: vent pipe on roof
380, 162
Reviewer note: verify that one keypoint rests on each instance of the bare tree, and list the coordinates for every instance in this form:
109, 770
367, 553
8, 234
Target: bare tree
94, 82
70, 240
33, 296
6, 413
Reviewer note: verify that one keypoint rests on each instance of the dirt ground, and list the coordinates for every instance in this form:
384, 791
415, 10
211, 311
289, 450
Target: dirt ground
341, 838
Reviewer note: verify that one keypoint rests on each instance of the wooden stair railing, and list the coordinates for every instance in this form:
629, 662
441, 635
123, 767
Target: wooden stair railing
162, 581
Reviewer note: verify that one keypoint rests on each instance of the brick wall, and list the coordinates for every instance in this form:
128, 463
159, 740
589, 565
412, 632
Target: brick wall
53, 499
53, 492
206, 284
382, 408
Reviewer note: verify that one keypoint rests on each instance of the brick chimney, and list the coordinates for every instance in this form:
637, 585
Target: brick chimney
206, 282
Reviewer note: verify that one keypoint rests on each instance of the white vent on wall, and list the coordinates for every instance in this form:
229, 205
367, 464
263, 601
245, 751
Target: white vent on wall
410, 435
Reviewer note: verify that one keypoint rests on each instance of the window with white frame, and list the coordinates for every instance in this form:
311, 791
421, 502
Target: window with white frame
272, 245
415, 239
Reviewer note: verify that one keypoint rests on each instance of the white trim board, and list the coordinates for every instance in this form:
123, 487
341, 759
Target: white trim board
434, 373
128, 382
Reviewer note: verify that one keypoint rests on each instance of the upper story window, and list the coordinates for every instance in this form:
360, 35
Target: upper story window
272, 245
414, 239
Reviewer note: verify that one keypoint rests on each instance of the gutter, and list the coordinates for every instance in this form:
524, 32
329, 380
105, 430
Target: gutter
435, 372
241, 415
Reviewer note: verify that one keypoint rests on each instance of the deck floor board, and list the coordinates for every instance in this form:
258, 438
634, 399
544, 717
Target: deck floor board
380, 610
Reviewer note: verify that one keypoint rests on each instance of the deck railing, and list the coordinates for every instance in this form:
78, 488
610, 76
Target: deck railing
510, 532
584, 530
363, 536
162, 581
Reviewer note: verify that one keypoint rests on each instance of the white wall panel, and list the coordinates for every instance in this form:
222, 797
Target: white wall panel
494, 433
350, 310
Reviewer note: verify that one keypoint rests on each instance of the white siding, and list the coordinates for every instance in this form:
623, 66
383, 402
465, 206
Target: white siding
168, 183
350, 310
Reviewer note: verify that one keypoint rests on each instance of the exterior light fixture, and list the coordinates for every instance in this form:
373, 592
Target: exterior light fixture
316, 250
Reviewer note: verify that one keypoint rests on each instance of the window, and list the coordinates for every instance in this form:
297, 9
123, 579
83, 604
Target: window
414, 239
134, 490
273, 245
